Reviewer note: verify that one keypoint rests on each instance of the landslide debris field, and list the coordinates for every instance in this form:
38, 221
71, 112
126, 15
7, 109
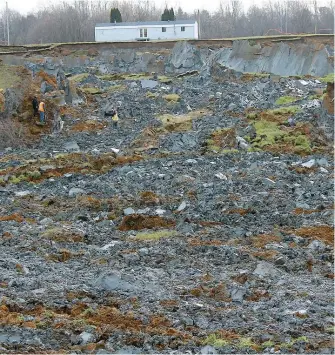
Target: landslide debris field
202, 224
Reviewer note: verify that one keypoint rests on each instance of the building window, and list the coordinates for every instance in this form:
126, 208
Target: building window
163, 29
143, 32
182, 28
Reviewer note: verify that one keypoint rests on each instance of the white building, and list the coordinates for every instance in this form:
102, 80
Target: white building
146, 31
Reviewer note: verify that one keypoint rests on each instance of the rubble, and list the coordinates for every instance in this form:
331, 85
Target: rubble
201, 224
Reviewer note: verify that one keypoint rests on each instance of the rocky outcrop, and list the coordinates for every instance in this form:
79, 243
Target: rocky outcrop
279, 58
286, 58
184, 57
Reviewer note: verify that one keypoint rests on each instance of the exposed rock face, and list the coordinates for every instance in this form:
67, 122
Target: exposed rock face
184, 57
279, 58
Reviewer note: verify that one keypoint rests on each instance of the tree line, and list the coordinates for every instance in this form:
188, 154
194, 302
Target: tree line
75, 21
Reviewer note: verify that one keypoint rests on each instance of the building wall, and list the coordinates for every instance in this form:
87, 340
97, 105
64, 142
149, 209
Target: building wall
119, 33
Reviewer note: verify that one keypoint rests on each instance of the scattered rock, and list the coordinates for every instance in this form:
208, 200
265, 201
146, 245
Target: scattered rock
182, 206
128, 211
22, 193
72, 147
208, 349
242, 143
75, 191
86, 338
317, 245
221, 176
112, 282
237, 294
309, 164
264, 268
148, 84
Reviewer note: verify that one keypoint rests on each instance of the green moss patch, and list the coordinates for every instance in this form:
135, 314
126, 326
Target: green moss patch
92, 91
215, 340
328, 78
246, 343
164, 79
280, 139
116, 88
79, 77
252, 115
137, 76
284, 100
285, 110
125, 76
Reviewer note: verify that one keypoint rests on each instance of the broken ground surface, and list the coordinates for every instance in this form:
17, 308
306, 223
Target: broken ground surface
164, 235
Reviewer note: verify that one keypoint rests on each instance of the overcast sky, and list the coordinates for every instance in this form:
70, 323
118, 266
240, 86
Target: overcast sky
26, 6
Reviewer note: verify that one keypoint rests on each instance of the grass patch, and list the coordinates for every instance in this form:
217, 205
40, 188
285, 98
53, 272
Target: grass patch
269, 130
285, 110
156, 235
315, 97
79, 77
125, 76
180, 122
151, 95
229, 151
9, 76
246, 343
171, 97
111, 77
252, 115
137, 76
215, 340
222, 140
67, 163
92, 91
329, 78
272, 137
116, 88
284, 100
221, 338
164, 79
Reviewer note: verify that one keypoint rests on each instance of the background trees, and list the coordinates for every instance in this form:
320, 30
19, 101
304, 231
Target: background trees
168, 15
115, 15
75, 21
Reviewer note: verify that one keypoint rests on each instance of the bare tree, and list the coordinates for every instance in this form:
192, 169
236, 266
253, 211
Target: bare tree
75, 21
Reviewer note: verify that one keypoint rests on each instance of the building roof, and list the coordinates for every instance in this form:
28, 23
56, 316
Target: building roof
147, 23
